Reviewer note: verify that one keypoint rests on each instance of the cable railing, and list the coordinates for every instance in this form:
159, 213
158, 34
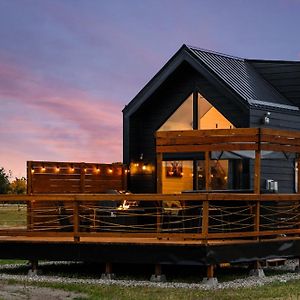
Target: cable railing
199, 216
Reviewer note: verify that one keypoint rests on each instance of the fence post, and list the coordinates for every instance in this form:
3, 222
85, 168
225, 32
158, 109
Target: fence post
205, 218
257, 217
76, 221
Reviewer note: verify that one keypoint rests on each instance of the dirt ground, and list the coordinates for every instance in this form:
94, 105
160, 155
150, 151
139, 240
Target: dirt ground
22, 292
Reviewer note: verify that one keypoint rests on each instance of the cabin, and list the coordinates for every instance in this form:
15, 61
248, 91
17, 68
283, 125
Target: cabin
200, 90
211, 149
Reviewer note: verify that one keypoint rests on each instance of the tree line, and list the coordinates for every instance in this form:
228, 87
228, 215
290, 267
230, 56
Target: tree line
16, 186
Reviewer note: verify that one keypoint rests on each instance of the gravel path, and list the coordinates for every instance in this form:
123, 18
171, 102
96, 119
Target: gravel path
237, 283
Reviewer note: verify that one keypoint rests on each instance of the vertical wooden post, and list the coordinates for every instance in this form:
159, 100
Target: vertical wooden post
210, 271
108, 268
159, 160
207, 171
205, 218
157, 269
257, 172
205, 205
76, 221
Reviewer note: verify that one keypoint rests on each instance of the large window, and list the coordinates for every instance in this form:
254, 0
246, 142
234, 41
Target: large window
195, 113
182, 118
209, 117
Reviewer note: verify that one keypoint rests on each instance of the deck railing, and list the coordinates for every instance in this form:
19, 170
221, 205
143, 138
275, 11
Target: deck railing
201, 216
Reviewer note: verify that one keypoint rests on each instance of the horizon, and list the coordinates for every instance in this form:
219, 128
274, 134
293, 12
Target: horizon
68, 68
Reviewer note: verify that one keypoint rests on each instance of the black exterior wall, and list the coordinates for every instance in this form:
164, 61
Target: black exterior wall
142, 125
228, 83
280, 170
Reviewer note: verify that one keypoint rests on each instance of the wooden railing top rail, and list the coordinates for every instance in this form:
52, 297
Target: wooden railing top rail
152, 197
228, 140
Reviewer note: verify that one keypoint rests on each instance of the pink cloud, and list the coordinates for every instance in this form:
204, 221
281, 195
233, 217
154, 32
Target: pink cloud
47, 120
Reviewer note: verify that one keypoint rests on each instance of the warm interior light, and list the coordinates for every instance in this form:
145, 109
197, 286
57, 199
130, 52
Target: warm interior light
57, 169
136, 165
72, 169
144, 168
32, 171
85, 170
110, 171
43, 169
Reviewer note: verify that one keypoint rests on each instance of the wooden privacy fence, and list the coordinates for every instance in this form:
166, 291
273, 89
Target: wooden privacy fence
201, 216
71, 177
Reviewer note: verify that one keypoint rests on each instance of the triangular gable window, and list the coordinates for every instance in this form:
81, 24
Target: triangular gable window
182, 118
208, 116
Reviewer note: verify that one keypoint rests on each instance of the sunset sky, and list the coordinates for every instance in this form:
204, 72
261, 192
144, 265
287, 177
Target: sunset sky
68, 67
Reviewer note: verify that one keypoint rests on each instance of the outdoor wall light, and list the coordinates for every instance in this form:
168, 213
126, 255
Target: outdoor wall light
72, 168
32, 170
266, 119
43, 169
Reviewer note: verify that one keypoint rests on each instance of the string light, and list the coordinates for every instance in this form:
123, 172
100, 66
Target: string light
97, 169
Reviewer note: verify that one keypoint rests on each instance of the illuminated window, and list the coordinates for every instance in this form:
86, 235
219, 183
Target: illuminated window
209, 117
182, 118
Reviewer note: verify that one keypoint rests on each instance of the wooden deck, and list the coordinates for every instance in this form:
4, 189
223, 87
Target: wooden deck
209, 228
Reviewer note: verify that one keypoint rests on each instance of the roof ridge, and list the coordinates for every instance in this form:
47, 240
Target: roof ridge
215, 52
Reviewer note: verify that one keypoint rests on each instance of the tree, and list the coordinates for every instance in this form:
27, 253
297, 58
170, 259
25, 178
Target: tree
4, 181
18, 186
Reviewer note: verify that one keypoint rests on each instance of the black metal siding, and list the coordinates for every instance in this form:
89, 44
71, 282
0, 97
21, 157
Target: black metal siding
281, 170
157, 109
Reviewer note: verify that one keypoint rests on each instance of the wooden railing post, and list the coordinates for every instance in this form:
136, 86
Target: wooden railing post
257, 172
205, 219
76, 221
207, 171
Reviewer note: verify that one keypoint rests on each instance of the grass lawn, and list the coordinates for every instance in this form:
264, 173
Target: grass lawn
277, 290
12, 215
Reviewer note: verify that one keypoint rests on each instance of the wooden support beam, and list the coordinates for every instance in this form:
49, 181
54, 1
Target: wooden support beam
210, 271
257, 172
159, 160
76, 221
207, 171
205, 219
108, 268
158, 270
34, 265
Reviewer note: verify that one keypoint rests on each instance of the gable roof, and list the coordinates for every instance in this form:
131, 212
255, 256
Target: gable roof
283, 75
236, 75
